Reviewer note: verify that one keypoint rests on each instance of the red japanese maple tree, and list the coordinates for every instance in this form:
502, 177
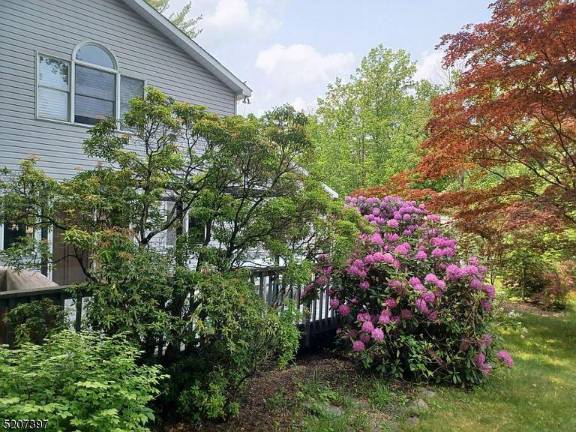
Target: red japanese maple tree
508, 128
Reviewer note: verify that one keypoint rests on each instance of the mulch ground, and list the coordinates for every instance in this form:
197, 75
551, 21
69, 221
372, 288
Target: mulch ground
256, 414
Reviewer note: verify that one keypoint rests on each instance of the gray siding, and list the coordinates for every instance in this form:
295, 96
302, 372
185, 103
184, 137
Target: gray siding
56, 27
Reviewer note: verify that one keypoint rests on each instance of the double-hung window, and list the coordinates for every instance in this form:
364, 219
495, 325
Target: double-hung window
86, 89
53, 88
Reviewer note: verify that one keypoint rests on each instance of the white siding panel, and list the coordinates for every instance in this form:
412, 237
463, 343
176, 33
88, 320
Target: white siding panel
55, 27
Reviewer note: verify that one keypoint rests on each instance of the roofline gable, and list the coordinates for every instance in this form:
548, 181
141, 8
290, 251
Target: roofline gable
164, 26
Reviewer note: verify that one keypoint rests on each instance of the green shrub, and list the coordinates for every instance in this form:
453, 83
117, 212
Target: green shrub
34, 321
524, 273
78, 381
237, 336
559, 281
541, 278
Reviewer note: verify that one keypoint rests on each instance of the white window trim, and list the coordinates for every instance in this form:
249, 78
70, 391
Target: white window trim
1, 236
72, 82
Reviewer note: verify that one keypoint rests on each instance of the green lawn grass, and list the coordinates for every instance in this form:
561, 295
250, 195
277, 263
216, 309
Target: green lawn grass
538, 394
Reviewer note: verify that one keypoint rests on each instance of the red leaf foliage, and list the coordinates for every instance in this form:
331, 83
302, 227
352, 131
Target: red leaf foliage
510, 120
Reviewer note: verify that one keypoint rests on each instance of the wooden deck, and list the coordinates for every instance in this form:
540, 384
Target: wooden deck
316, 320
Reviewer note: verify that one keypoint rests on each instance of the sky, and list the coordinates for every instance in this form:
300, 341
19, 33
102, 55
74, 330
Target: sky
288, 51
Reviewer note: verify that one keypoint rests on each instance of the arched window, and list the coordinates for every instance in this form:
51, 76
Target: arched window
93, 54
95, 80
85, 90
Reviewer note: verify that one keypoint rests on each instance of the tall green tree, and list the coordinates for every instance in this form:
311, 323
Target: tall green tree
369, 128
181, 18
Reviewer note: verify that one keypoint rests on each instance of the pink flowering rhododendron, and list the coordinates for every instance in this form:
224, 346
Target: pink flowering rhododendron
505, 358
410, 304
358, 346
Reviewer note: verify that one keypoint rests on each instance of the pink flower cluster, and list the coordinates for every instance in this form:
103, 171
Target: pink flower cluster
410, 264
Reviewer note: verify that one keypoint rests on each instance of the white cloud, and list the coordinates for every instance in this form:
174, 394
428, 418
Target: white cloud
221, 18
429, 67
301, 104
296, 74
303, 63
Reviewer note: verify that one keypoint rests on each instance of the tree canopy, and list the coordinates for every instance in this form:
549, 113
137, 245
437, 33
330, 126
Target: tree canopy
183, 193
507, 130
369, 128
180, 18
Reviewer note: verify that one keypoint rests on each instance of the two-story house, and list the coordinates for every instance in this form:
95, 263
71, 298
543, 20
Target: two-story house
64, 64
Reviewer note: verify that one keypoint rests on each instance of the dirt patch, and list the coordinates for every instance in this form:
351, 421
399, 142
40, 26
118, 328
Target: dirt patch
270, 401
260, 410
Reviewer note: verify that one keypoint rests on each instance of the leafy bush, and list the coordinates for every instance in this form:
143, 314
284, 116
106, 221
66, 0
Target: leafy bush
78, 381
543, 278
34, 321
237, 335
524, 272
410, 307
559, 281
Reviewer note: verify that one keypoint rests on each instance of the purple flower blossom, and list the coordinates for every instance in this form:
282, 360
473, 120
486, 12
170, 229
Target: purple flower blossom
486, 305
437, 252
441, 284
376, 239
385, 317
421, 256
421, 305
327, 270
344, 309
453, 272
480, 362
420, 288
476, 284
391, 303
402, 249
367, 326
490, 291
431, 278
470, 270
363, 316
414, 281
364, 285
393, 223
428, 297
358, 346
505, 358
377, 334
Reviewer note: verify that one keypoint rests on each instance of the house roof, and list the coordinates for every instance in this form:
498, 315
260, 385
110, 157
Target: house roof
162, 24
